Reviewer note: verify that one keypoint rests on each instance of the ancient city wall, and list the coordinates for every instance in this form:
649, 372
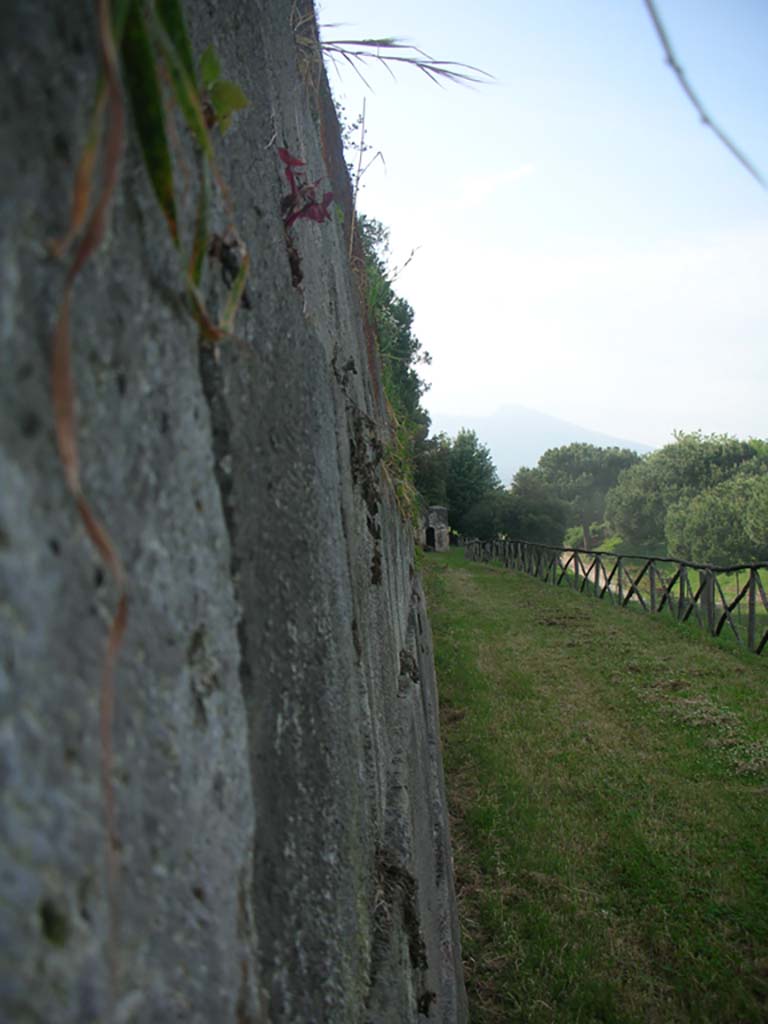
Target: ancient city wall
280, 835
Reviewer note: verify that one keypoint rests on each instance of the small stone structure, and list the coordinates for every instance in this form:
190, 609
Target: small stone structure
436, 535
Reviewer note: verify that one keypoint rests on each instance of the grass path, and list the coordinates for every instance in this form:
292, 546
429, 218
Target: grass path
608, 784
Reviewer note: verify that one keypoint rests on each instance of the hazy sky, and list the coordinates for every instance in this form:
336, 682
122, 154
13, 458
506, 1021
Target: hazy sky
585, 245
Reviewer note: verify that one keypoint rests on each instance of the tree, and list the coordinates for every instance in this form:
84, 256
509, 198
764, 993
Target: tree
491, 516
401, 354
471, 476
582, 475
636, 508
541, 516
529, 510
400, 349
431, 466
694, 463
724, 525
756, 516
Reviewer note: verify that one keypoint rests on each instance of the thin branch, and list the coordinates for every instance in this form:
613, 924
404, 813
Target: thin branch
358, 175
706, 119
398, 270
378, 155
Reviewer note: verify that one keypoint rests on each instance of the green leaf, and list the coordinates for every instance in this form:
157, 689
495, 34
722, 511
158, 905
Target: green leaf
172, 16
186, 94
226, 98
147, 103
200, 242
210, 69
235, 294
119, 14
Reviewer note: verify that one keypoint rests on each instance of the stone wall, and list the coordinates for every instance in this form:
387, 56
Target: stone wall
281, 831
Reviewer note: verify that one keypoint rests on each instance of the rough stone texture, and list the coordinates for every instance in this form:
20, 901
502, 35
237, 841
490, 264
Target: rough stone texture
283, 839
283, 843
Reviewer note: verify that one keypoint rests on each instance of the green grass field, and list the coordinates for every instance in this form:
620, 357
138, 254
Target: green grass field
608, 785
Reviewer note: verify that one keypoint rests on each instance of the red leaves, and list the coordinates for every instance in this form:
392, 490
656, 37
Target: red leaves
302, 200
289, 159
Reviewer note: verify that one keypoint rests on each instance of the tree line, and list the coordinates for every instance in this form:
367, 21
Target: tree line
703, 498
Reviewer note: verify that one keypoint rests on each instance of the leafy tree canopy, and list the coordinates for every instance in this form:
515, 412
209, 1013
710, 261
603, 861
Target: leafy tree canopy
401, 351
490, 517
529, 510
724, 525
581, 475
637, 506
471, 476
541, 515
401, 354
432, 460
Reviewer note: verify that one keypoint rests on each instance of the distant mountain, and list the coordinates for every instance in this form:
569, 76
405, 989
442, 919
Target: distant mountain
518, 436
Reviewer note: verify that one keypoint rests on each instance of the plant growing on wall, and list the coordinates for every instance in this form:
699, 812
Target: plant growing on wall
146, 54
302, 201
220, 98
145, 51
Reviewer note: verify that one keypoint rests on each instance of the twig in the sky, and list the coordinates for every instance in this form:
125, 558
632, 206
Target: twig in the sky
363, 51
358, 176
706, 119
361, 169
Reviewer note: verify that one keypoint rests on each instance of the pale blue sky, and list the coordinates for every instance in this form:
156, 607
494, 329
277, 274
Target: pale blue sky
585, 246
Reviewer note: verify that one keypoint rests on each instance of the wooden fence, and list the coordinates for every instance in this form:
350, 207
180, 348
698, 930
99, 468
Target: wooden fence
715, 597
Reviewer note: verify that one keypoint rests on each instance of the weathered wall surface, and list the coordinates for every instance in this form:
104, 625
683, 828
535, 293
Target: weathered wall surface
283, 843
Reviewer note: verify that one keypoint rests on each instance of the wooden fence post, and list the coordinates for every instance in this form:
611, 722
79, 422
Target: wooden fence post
707, 579
683, 589
752, 610
652, 570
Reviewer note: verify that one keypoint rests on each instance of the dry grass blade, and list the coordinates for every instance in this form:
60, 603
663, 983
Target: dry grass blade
81, 192
364, 51
355, 68
384, 43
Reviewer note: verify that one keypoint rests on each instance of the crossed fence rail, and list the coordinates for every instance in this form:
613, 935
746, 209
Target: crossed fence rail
683, 590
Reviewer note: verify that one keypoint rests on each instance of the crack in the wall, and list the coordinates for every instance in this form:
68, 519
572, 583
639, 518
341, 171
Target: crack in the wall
396, 896
211, 378
366, 453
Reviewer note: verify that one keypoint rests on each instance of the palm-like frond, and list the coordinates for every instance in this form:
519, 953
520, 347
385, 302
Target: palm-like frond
390, 51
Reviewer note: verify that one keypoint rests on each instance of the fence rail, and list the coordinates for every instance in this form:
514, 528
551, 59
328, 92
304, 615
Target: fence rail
715, 597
